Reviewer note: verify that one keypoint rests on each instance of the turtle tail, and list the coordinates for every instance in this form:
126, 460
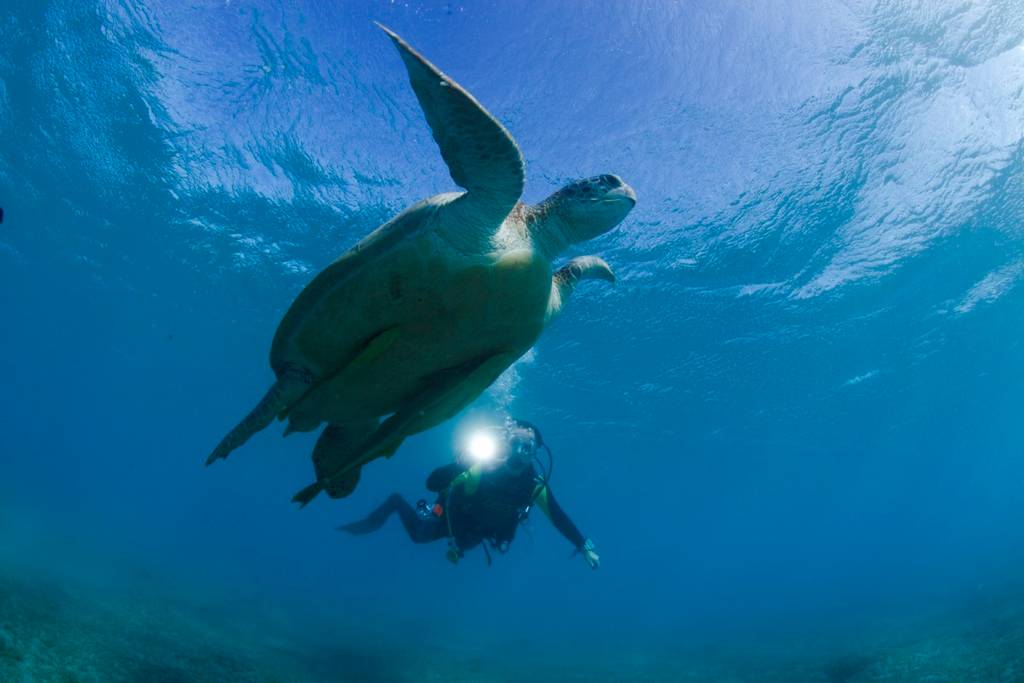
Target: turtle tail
286, 390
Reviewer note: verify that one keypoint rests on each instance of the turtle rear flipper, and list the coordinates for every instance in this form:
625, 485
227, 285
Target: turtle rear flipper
334, 449
445, 394
343, 481
292, 385
288, 388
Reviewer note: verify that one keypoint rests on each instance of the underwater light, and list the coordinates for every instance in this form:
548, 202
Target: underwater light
482, 446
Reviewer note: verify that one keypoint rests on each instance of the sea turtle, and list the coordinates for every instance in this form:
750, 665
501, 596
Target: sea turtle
421, 316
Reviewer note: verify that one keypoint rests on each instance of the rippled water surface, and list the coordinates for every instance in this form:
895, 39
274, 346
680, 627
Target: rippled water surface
793, 427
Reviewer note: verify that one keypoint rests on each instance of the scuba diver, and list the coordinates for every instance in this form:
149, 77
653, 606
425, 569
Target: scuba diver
483, 497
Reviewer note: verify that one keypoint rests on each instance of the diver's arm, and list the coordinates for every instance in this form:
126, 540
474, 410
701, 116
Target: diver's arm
442, 477
565, 526
468, 481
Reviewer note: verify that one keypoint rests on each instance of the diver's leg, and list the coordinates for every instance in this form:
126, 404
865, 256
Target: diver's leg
421, 530
376, 519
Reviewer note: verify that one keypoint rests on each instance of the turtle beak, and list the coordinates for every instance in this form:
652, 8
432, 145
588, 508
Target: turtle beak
622, 192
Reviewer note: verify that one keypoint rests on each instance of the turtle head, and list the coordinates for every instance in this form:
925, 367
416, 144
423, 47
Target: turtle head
583, 210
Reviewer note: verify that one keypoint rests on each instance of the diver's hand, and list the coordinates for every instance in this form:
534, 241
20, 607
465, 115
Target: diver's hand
590, 555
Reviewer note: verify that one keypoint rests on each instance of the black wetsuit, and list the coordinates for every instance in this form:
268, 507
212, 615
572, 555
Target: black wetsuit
492, 512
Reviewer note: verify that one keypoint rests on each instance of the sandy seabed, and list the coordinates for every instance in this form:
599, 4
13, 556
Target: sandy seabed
61, 629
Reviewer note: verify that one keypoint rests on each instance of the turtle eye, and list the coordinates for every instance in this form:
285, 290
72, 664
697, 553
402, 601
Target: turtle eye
610, 180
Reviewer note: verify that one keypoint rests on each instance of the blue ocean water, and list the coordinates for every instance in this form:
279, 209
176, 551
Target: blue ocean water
793, 423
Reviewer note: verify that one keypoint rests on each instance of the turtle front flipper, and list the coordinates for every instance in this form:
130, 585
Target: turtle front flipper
288, 388
480, 153
447, 392
565, 279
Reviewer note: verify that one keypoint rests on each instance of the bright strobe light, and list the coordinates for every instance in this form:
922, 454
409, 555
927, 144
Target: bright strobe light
482, 446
